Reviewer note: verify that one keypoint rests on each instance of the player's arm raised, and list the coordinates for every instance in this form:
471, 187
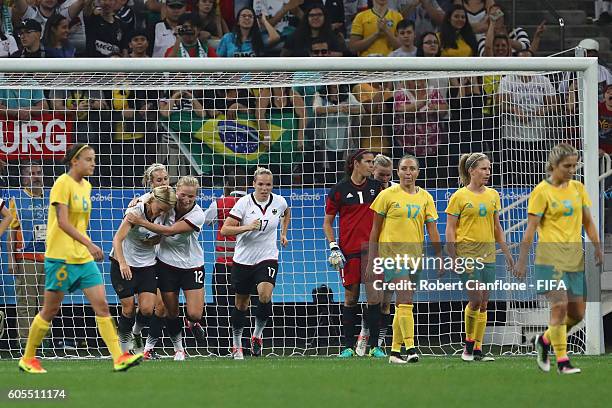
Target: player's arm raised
285, 227
124, 229
232, 227
63, 222
528, 236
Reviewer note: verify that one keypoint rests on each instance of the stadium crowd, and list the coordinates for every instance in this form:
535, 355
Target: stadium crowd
436, 120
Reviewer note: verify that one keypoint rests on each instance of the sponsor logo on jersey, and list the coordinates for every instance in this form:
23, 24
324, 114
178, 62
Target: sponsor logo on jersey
372, 192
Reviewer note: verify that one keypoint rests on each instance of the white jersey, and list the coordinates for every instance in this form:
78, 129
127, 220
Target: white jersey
183, 250
136, 251
253, 247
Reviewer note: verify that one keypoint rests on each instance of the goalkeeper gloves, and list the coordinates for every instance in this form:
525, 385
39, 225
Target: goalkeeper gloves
336, 257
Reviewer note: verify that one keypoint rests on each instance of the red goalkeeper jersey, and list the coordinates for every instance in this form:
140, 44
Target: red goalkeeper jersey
352, 203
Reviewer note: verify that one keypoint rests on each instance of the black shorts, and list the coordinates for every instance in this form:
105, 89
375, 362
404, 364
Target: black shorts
172, 279
246, 277
143, 280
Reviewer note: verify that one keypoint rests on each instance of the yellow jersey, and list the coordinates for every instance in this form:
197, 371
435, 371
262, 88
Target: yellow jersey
405, 217
463, 49
476, 222
365, 24
560, 227
77, 197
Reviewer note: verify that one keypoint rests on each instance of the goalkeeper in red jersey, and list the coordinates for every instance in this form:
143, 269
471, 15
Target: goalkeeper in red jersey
351, 199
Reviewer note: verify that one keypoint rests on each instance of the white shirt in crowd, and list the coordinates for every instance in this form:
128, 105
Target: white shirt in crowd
254, 247
184, 250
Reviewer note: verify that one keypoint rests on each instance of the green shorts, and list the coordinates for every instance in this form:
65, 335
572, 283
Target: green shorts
547, 275
60, 276
486, 274
391, 274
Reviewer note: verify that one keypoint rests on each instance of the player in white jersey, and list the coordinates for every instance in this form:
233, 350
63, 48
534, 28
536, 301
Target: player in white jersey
180, 259
133, 262
255, 219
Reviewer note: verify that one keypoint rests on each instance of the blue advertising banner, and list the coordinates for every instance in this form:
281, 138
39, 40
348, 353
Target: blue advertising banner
303, 264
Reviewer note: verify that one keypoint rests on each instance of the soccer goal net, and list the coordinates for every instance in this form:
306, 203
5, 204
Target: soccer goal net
220, 119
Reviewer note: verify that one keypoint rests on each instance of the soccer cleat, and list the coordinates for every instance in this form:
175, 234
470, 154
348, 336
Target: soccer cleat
396, 358
377, 352
347, 353
31, 366
479, 356
127, 361
412, 356
256, 346
196, 330
362, 344
565, 367
151, 355
137, 342
179, 355
542, 349
468, 351
237, 353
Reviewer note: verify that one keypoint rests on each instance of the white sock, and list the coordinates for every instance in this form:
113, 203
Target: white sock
137, 328
260, 325
177, 342
237, 337
365, 332
125, 341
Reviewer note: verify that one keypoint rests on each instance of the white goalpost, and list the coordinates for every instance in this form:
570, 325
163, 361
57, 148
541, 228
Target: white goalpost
217, 118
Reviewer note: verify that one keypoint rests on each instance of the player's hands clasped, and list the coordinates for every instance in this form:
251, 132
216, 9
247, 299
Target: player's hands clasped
336, 258
95, 251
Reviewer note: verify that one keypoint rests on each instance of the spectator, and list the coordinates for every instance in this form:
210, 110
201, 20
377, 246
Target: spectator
8, 45
374, 31
26, 244
417, 128
125, 14
334, 13
377, 101
29, 32
429, 45
183, 101
405, 35
187, 43
139, 45
476, 13
319, 48
162, 34
519, 39
229, 102
605, 121
39, 11
568, 85
55, 38
314, 25
213, 26
334, 107
284, 101
456, 36
73, 11
104, 33
426, 14
527, 103
6, 24
245, 39
284, 16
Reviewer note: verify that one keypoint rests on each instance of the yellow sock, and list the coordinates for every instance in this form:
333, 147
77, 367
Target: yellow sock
558, 338
38, 331
570, 322
481, 325
396, 342
470, 322
406, 323
107, 330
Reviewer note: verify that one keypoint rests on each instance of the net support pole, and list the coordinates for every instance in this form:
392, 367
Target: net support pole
593, 317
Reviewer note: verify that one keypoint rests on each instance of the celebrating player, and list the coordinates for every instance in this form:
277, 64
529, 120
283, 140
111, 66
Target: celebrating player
255, 219
133, 262
383, 171
402, 212
472, 229
558, 209
180, 259
70, 261
351, 199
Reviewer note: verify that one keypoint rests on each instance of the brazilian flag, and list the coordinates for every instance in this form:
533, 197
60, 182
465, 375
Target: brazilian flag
215, 142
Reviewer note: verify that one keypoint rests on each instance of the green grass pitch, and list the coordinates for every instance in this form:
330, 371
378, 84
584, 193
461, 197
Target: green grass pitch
316, 382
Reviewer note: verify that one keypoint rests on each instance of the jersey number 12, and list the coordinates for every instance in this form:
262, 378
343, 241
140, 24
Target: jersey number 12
198, 276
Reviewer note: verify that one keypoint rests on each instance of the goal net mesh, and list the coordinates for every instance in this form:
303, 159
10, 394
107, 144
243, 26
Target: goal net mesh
300, 125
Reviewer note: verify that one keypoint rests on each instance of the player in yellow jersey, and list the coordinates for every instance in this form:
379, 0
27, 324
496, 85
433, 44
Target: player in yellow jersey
402, 212
558, 209
70, 261
472, 229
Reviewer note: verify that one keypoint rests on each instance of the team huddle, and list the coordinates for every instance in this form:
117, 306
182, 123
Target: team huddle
156, 253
